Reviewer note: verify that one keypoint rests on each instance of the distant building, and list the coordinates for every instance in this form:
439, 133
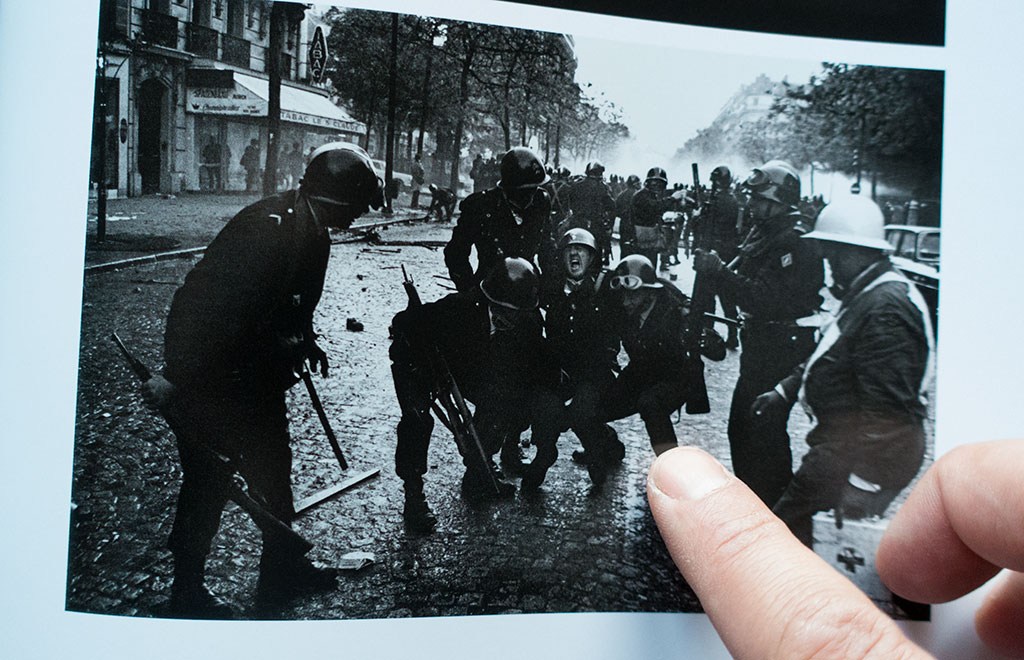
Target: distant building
749, 104
186, 91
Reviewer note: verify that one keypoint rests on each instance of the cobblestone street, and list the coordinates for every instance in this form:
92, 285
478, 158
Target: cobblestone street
565, 549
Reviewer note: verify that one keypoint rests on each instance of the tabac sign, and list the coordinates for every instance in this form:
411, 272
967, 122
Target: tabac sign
317, 55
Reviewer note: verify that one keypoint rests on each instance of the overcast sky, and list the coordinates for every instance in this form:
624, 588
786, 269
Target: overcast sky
667, 94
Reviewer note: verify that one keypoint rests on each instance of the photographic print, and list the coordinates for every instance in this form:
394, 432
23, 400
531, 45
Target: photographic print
387, 315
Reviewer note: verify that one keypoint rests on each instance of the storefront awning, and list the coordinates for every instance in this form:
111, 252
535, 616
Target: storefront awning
249, 97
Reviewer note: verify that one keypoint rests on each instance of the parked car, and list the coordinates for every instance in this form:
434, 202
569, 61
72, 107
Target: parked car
916, 254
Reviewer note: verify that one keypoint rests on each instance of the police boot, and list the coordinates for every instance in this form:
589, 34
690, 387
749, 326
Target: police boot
512, 455
417, 514
533, 477
190, 599
614, 450
486, 483
286, 576
580, 456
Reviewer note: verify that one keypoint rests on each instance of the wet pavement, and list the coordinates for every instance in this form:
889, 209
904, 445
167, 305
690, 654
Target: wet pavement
565, 549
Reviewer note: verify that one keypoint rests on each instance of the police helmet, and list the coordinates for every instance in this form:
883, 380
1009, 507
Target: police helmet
512, 284
721, 177
521, 168
594, 168
775, 180
632, 180
342, 173
577, 236
852, 220
656, 174
634, 272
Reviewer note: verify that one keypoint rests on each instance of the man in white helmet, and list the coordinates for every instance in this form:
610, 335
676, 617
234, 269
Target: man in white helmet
864, 384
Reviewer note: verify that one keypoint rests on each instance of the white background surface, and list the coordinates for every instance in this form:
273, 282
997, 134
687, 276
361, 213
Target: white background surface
46, 84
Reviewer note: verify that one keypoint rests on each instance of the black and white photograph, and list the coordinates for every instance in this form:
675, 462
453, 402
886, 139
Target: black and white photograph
387, 315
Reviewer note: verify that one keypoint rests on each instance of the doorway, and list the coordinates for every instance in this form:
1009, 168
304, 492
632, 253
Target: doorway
151, 142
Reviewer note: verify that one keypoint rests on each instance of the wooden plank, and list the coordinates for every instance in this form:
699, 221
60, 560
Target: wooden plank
307, 503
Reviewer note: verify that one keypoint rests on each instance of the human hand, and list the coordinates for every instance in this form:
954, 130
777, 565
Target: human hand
157, 392
316, 357
766, 594
707, 262
768, 405
959, 526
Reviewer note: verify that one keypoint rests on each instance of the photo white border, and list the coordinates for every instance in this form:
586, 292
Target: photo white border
46, 83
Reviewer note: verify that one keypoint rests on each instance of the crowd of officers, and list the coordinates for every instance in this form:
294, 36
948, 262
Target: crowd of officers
532, 338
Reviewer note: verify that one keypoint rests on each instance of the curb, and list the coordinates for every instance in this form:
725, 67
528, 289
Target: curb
188, 252
135, 261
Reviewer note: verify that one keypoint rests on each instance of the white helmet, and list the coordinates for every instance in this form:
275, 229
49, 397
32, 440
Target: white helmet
852, 220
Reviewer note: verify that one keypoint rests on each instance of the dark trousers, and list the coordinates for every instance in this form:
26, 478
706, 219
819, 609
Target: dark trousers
500, 411
891, 460
638, 390
584, 413
252, 430
761, 454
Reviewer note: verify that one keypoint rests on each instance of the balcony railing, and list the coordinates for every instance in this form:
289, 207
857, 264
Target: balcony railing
236, 51
159, 29
202, 41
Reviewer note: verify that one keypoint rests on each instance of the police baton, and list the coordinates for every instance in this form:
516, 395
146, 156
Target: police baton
319, 407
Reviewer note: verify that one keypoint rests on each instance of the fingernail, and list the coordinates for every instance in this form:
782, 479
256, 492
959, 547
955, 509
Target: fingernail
688, 474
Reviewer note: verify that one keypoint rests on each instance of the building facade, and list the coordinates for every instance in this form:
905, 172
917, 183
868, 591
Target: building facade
182, 95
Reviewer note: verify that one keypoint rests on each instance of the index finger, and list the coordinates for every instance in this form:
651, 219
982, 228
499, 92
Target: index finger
959, 526
767, 595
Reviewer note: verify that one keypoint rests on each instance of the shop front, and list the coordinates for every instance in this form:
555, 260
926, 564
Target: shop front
228, 117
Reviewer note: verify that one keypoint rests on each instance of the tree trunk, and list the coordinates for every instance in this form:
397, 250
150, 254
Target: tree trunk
389, 140
558, 140
426, 97
467, 65
270, 178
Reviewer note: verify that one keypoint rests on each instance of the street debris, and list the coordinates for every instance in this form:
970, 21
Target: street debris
355, 561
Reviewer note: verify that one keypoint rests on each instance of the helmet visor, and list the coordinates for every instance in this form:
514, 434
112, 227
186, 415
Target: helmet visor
627, 282
757, 180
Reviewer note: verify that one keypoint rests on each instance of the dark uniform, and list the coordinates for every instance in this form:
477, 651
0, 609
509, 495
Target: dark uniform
864, 384
716, 229
648, 207
775, 281
502, 372
592, 207
583, 343
442, 202
489, 223
237, 327
664, 373
624, 212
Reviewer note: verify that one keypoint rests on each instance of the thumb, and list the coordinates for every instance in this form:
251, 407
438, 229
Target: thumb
767, 594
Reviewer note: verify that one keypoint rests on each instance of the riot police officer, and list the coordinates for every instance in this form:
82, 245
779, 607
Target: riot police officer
512, 219
775, 280
648, 206
716, 227
665, 370
490, 338
239, 329
624, 212
585, 347
866, 382
591, 206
